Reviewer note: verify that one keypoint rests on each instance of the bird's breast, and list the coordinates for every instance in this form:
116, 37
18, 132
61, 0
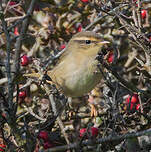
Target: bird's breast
78, 77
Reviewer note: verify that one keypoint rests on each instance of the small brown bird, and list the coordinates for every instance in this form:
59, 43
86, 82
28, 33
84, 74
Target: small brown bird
76, 72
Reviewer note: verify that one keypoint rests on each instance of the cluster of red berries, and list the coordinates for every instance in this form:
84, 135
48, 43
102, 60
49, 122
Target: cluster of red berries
132, 102
93, 132
45, 137
2, 147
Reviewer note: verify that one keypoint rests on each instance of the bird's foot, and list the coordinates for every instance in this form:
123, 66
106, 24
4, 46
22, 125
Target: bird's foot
94, 112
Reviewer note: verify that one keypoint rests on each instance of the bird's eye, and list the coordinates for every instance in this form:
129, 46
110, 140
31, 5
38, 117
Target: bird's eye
88, 41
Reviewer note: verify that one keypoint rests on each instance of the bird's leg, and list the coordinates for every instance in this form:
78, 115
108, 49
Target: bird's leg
94, 112
46, 78
75, 103
71, 109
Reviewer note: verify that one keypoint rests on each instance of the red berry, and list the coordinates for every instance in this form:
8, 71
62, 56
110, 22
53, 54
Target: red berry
12, 3
82, 132
22, 94
16, 31
110, 57
94, 131
24, 60
2, 146
134, 99
78, 27
143, 14
47, 145
85, 1
150, 38
137, 106
62, 46
43, 135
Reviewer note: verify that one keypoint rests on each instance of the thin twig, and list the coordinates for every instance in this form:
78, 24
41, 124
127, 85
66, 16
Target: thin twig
131, 57
134, 16
30, 110
139, 16
10, 19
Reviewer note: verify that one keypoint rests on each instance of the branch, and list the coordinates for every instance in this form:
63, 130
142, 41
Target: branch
55, 110
16, 65
101, 140
7, 66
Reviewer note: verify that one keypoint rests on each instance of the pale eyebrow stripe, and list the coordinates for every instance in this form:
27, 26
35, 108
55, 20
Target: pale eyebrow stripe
86, 38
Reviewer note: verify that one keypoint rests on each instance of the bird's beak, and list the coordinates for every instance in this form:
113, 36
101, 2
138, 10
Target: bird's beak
104, 42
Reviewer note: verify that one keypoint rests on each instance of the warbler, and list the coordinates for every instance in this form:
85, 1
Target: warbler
76, 72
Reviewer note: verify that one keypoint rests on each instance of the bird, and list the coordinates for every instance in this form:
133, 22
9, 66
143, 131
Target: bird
76, 72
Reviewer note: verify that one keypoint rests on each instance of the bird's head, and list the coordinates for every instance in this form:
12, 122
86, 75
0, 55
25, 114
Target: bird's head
86, 42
